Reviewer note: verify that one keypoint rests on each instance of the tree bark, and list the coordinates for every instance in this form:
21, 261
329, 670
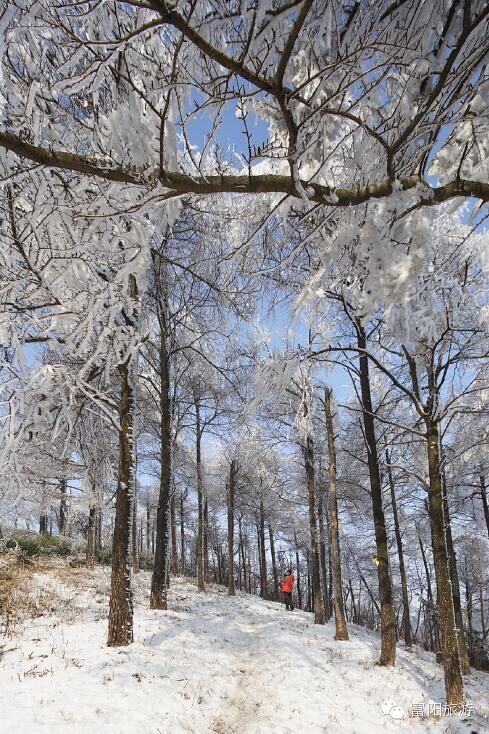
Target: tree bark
135, 549
121, 602
387, 618
406, 621
231, 491
339, 611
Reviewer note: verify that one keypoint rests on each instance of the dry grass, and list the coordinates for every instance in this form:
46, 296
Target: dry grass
57, 592
16, 603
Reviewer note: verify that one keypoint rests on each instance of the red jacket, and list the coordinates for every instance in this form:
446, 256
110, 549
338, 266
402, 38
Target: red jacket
288, 583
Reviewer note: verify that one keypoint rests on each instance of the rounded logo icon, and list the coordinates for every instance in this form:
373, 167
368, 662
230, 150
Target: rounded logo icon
387, 705
397, 712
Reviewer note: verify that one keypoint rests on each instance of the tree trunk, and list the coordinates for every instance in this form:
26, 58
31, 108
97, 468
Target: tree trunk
205, 538
63, 507
231, 490
182, 532
387, 618
355, 617
309, 590
173, 523
242, 546
468, 597
481, 605
90, 554
339, 612
322, 554
98, 530
299, 590
311, 493
121, 603
449, 640
406, 621
433, 630
330, 561
148, 528
200, 498
158, 598
263, 557
274, 563
452, 565
485, 504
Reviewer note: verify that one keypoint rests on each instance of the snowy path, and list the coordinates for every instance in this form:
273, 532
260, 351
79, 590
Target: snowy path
211, 665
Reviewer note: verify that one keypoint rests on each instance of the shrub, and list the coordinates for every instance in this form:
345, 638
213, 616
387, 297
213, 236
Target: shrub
32, 544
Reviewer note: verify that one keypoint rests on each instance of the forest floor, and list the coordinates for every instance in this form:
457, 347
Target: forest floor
211, 664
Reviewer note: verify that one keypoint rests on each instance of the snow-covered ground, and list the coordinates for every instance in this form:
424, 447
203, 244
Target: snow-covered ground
210, 664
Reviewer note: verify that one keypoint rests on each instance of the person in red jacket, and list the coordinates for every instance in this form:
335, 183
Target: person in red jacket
287, 586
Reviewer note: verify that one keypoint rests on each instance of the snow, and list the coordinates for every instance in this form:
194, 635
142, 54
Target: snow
210, 664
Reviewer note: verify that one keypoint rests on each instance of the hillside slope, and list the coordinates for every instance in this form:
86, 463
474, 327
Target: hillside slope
210, 664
